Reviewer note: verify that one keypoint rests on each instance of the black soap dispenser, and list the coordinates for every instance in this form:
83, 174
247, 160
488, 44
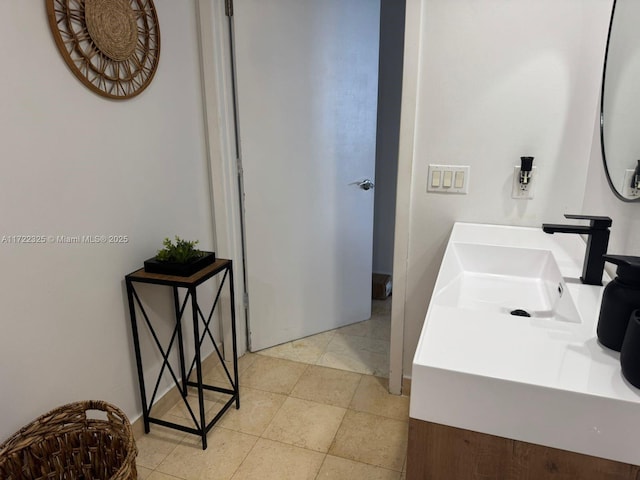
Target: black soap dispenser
630, 353
620, 298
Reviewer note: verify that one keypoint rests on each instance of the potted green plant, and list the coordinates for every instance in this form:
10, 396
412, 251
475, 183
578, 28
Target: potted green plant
181, 258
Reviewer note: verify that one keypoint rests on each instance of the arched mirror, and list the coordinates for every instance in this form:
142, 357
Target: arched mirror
620, 104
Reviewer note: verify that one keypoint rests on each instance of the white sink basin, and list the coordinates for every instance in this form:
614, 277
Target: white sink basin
543, 379
522, 282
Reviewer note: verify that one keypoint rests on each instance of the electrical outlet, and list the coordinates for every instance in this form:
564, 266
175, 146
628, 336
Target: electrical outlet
448, 179
523, 192
627, 190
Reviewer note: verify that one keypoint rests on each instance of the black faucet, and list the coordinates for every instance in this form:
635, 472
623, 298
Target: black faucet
598, 232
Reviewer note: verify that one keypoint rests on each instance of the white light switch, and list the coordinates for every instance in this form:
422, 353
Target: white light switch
435, 178
459, 179
448, 178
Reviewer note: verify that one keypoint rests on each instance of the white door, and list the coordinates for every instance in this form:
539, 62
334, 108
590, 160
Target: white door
307, 80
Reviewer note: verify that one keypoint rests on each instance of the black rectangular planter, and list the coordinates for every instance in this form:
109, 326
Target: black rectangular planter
180, 269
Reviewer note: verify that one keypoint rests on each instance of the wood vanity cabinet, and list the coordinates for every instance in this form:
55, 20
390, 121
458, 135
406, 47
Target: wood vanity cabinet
440, 452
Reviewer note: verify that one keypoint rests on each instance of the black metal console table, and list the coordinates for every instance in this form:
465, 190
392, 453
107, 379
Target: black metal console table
220, 266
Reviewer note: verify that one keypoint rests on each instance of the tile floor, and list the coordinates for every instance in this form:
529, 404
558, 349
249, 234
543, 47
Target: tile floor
296, 421
362, 347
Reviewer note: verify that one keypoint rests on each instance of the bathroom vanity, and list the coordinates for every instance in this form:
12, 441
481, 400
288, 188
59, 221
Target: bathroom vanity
509, 380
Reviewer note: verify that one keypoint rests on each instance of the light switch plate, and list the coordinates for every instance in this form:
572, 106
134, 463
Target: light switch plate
523, 193
627, 191
459, 179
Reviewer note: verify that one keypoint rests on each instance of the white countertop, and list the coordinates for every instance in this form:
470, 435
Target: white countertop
530, 379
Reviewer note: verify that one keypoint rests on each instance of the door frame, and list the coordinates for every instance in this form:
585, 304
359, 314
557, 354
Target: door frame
218, 119
216, 75
404, 192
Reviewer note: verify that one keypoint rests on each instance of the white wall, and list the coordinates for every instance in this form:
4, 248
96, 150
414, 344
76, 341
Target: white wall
76, 163
600, 200
495, 80
498, 79
622, 101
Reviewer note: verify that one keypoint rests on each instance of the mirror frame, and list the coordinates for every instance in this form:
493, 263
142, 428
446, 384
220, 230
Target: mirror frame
604, 76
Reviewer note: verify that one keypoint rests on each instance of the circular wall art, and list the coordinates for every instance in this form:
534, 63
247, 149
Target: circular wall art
112, 46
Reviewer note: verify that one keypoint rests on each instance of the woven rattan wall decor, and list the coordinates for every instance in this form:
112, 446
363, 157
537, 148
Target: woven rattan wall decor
112, 46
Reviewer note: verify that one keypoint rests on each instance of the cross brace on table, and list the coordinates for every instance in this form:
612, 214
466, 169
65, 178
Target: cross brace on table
201, 427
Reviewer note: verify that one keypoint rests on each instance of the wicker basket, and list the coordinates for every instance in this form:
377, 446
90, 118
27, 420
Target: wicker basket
66, 444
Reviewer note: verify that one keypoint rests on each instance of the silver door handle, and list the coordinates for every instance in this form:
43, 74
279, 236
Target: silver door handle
364, 184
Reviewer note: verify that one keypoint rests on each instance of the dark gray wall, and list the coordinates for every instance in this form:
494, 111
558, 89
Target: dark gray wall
389, 99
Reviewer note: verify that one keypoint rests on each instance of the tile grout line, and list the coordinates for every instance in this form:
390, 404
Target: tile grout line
321, 465
165, 474
369, 335
298, 380
279, 442
333, 441
248, 453
289, 395
261, 436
